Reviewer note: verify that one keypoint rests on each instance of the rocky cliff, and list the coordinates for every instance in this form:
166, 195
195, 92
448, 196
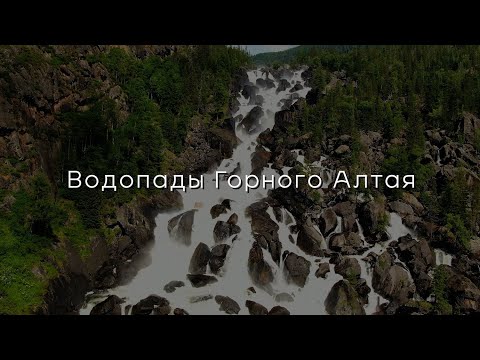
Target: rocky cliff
37, 84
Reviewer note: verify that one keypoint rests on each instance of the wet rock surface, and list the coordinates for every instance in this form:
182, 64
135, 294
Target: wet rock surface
343, 300
110, 306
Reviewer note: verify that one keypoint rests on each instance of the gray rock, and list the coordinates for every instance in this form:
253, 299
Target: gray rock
227, 304
199, 260
201, 280
173, 285
297, 269
343, 300
109, 306
278, 310
349, 268
327, 221
323, 270
255, 308
180, 227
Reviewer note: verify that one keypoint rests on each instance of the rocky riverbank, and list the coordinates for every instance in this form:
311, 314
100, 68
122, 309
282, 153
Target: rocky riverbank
42, 83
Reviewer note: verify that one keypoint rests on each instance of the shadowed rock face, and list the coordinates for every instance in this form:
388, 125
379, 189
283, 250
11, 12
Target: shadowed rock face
310, 240
297, 269
110, 306
255, 308
343, 300
201, 280
227, 304
180, 227
258, 268
391, 280
199, 260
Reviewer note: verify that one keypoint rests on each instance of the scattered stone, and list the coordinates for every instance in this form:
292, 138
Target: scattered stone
179, 311
343, 300
196, 299
233, 219
218, 255
180, 227
323, 270
109, 306
349, 268
199, 260
297, 269
327, 221
201, 280
227, 304
147, 305
278, 310
255, 308
173, 285
217, 210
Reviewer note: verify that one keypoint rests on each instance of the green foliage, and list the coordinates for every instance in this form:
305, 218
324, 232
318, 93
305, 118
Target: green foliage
29, 56
440, 291
457, 227
163, 96
404, 160
293, 54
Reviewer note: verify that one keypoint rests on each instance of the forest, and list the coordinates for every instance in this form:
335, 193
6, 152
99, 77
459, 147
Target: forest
164, 95
400, 92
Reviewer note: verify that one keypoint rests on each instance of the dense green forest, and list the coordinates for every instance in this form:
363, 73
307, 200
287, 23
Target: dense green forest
283, 57
164, 95
400, 91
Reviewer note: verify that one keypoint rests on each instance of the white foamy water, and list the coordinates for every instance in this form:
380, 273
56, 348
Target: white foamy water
170, 260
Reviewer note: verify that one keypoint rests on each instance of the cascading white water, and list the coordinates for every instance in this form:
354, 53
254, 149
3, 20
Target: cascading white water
170, 259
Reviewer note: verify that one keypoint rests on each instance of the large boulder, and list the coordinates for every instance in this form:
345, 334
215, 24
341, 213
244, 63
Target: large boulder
249, 91
258, 268
347, 244
297, 269
227, 304
283, 85
467, 266
343, 300
218, 255
323, 270
391, 281
180, 227
310, 240
349, 268
147, 305
251, 122
470, 127
372, 216
411, 200
217, 210
109, 306
255, 308
461, 292
296, 87
327, 222
265, 230
223, 230
260, 160
201, 280
173, 285
278, 310
401, 208
345, 208
200, 259
420, 259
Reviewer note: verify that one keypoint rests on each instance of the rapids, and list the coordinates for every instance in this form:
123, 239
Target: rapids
169, 260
